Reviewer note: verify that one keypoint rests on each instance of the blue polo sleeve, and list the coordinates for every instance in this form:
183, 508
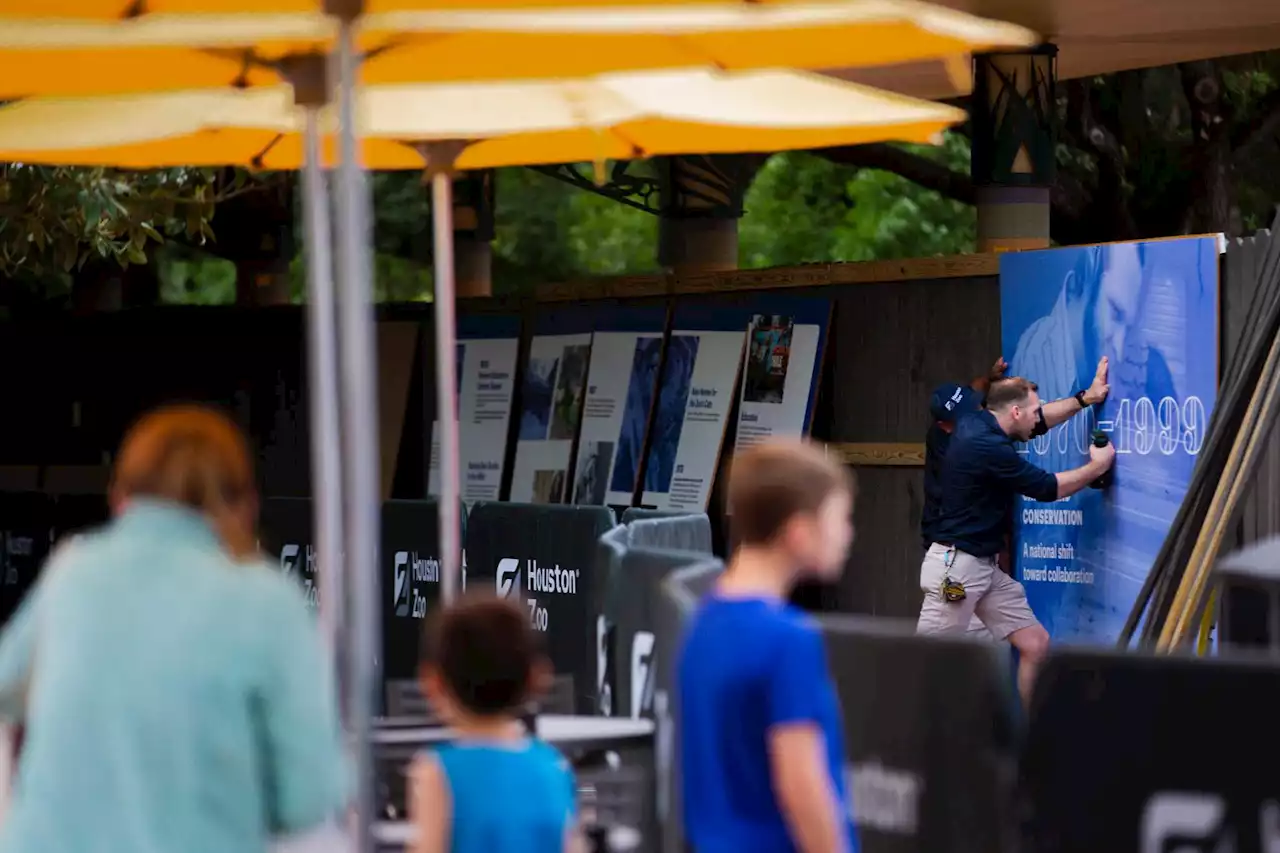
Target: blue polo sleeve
799, 676
1009, 467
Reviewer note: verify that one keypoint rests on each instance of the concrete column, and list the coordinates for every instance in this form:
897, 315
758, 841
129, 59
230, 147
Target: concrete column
1013, 160
701, 206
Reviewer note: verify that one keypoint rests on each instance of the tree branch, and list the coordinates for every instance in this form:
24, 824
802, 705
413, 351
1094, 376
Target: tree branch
1110, 154
1262, 127
920, 170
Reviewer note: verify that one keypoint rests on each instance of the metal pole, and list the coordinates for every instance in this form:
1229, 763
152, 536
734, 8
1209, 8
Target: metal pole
322, 374
358, 392
447, 386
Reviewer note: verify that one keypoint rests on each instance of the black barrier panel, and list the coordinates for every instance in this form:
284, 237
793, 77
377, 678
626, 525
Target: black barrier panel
546, 558
929, 745
640, 513
286, 536
610, 551
690, 533
635, 658
1136, 752
26, 529
410, 581
74, 514
1250, 597
646, 528
678, 597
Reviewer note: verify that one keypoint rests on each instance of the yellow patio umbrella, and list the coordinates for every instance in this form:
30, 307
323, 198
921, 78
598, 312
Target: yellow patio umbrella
182, 45
119, 9
610, 117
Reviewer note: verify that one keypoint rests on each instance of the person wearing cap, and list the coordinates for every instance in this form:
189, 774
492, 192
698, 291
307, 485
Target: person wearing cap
950, 401
982, 473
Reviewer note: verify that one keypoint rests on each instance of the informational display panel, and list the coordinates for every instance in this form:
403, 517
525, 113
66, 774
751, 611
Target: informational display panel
551, 395
704, 356
1152, 309
780, 368
487, 350
626, 352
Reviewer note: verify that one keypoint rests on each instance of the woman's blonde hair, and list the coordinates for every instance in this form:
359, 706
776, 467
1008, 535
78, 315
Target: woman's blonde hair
197, 457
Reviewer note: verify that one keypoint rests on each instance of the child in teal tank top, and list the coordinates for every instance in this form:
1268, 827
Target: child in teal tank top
493, 789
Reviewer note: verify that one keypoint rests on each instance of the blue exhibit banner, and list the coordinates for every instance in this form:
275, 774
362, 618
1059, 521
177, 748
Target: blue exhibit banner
1152, 309
486, 353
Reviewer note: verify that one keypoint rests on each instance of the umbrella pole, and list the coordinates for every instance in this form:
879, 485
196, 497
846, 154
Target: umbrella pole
446, 385
322, 373
359, 397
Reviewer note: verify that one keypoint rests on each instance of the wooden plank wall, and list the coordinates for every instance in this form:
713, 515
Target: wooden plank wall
892, 344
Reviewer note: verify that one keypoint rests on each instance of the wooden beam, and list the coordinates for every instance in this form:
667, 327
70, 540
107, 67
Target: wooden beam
773, 278
879, 454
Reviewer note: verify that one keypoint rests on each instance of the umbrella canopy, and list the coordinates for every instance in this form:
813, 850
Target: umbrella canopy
185, 44
617, 116
110, 10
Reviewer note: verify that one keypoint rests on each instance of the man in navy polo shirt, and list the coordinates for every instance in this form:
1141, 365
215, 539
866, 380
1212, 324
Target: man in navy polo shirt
948, 403
981, 476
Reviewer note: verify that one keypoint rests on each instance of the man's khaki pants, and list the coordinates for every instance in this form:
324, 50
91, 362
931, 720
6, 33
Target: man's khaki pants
988, 594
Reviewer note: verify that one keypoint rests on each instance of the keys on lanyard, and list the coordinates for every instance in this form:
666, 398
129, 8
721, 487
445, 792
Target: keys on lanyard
952, 590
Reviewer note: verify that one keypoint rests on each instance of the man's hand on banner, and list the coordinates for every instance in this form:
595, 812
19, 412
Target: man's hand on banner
1098, 389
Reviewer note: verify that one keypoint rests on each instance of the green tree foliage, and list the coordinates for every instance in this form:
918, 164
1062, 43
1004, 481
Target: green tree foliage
54, 220
806, 209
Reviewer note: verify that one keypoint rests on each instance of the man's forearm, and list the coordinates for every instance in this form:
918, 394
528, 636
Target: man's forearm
1070, 482
1060, 411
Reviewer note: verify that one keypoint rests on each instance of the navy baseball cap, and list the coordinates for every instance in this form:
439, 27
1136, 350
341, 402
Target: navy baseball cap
951, 399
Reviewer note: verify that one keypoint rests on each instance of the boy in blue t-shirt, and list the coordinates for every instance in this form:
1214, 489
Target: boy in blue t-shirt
492, 789
762, 752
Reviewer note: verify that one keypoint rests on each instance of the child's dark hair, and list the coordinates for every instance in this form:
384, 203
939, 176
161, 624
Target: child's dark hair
485, 652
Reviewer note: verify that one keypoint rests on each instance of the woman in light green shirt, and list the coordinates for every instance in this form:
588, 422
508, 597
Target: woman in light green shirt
175, 694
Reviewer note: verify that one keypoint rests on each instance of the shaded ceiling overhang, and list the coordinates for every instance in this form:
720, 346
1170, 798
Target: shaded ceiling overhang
1101, 37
